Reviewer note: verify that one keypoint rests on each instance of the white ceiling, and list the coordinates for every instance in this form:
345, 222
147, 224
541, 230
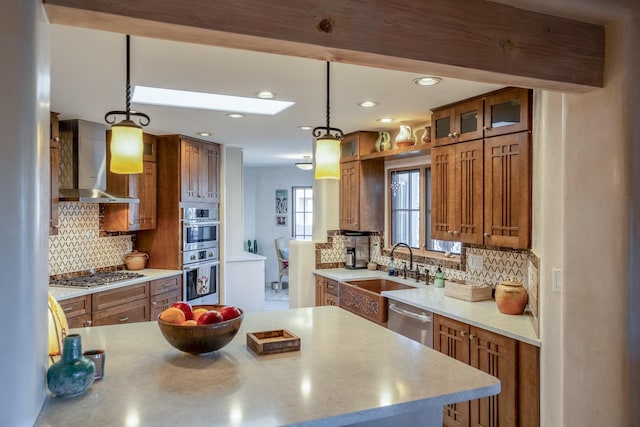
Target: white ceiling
88, 79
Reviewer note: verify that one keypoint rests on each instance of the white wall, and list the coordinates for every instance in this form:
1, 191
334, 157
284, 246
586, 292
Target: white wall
260, 208
24, 117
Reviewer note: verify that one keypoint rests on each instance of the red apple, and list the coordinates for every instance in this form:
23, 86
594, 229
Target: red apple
186, 309
209, 317
229, 312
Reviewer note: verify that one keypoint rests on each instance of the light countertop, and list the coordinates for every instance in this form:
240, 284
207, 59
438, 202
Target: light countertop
245, 257
483, 314
348, 370
62, 293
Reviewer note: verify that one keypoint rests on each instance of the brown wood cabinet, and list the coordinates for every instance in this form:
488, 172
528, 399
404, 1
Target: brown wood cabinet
163, 293
357, 144
514, 363
78, 311
507, 111
362, 195
180, 163
133, 216
54, 163
481, 189
326, 291
199, 166
458, 123
457, 192
507, 190
128, 304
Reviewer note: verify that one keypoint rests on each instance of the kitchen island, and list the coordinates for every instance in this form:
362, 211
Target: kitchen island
348, 371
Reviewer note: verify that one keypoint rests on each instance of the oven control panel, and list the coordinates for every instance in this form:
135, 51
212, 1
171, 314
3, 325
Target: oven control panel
201, 255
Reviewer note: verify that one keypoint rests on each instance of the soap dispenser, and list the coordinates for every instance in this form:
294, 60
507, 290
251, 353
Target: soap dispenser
438, 278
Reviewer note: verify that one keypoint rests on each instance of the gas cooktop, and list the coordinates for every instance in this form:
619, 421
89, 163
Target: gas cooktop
96, 279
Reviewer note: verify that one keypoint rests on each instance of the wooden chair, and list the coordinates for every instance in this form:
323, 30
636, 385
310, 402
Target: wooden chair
282, 252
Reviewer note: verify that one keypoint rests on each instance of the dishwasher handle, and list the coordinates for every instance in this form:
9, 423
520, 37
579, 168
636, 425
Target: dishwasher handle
420, 317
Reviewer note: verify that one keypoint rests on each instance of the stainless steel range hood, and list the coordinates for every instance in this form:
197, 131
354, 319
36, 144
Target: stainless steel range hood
83, 164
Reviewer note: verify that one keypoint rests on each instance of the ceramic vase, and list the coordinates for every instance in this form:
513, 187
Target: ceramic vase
511, 297
383, 143
73, 374
405, 137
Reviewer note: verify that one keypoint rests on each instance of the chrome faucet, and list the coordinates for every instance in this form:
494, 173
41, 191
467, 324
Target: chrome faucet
410, 253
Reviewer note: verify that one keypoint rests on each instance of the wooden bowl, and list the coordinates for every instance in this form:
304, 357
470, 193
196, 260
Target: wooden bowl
201, 338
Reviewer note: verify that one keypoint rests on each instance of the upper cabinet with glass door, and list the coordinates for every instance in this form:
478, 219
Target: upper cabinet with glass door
458, 123
507, 111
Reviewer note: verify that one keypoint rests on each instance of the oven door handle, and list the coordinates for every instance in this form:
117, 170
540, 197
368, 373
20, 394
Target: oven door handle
420, 317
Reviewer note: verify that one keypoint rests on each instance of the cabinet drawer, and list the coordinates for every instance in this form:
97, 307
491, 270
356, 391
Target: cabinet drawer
79, 321
77, 306
137, 311
115, 297
331, 287
331, 300
161, 302
168, 284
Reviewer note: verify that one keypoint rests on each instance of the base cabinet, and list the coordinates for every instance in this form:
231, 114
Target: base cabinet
326, 291
128, 304
163, 293
514, 363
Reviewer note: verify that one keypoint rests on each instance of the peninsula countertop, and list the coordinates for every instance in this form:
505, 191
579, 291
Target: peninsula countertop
483, 314
348, 370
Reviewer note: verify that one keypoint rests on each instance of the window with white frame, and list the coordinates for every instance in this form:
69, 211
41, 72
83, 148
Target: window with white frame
302, 206
409, 201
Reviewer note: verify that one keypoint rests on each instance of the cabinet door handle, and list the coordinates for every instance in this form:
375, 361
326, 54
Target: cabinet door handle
462, 333
471, 336
88, 323
123, 319
68, 309
450, 231
487, 235
487, 128
450, 135
456, 232
456, 134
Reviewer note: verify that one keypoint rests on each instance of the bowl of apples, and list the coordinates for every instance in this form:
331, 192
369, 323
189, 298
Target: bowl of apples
201, 328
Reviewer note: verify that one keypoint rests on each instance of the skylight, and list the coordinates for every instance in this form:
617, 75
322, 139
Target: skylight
208, 101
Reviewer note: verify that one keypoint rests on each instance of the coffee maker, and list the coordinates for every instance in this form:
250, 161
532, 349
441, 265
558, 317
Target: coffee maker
357, 246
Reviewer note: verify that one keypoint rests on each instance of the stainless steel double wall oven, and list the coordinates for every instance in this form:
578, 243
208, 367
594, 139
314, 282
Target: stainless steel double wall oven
200, 253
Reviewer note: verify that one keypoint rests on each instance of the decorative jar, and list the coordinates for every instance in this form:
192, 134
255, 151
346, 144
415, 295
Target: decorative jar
511, 297
405, 137
73, 374
135, 260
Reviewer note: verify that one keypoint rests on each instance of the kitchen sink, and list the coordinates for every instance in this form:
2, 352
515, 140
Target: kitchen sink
363, 298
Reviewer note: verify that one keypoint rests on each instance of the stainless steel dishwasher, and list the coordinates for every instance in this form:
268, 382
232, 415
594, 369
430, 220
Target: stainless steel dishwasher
411, 321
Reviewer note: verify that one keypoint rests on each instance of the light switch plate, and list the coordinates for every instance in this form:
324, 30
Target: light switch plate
557, 280
475, 262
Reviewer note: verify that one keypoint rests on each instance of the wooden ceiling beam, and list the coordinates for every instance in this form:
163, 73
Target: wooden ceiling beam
469, 39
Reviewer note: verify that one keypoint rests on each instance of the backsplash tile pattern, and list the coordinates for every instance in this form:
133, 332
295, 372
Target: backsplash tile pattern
78, 245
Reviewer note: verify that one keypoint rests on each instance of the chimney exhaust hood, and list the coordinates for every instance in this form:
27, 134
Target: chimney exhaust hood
83, 163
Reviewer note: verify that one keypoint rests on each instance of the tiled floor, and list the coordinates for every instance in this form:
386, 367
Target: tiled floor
275, 299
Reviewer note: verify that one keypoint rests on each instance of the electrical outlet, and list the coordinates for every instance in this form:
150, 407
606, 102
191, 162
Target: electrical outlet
475, 262
557, 280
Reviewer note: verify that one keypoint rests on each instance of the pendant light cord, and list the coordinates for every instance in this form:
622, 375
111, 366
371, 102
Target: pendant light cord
128, 90
317, 132
110, 117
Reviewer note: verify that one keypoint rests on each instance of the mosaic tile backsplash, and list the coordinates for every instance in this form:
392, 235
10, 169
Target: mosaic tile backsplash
78, 245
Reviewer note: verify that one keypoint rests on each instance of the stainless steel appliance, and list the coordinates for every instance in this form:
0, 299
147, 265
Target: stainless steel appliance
200, 227
92, 280
83, 159
200, 282
412, 322
200, 256
357, 247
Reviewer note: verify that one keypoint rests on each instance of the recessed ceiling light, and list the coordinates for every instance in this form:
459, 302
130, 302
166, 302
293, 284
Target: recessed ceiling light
203, 133
265, 94
208, 101
368, 104
427, 81
305, 127
235, 115
386, 120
